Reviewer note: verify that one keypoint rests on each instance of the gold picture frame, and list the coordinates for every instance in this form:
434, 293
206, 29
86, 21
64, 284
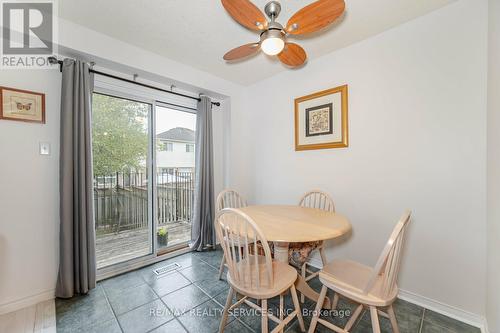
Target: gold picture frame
321, 120
22, 105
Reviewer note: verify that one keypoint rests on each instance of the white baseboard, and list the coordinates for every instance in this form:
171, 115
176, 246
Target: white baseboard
27, 301
445, 309
433, 305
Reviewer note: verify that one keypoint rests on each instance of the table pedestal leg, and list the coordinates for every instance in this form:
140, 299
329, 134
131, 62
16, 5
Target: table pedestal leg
281, 254
281, 251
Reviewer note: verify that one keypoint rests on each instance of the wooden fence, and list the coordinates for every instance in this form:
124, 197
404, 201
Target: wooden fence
121, 200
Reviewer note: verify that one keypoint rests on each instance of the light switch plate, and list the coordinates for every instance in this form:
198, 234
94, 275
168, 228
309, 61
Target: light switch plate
44, 148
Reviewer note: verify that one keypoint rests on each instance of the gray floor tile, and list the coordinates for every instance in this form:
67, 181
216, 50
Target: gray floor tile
199, 271
169, 283
204, 318
222, 297
252, 318
82, 312
453, 325
236, 326
131, 298
338, 317
130, 293
212, 258
408, 316
185, 299
213, 288
173, 326
145, 318
66, 305
121, 282
428, 327
212, 285
110, 326
185, 260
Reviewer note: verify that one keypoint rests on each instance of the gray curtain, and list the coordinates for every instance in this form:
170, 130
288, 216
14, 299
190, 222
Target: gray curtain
77, 267
203, 232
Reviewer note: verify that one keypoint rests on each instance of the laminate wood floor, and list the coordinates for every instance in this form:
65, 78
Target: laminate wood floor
39, 318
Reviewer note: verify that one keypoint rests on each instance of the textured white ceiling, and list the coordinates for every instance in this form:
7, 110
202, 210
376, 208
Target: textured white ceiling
199, 32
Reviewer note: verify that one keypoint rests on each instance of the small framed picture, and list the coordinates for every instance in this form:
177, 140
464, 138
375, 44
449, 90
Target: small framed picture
22, 105
321, 120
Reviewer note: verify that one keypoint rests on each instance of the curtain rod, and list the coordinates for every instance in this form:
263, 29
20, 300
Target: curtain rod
54, 60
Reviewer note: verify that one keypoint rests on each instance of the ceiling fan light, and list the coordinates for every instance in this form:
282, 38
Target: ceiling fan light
272, 42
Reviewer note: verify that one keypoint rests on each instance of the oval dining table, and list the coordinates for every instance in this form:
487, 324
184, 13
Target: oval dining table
283, 225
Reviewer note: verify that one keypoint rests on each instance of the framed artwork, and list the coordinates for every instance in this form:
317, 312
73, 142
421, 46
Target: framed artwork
22, 105
321, 120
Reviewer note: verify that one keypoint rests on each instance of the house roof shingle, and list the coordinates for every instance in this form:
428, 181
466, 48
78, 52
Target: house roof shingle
178, 134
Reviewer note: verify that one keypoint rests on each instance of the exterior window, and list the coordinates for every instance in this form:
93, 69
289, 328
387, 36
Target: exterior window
189, 148
169, 146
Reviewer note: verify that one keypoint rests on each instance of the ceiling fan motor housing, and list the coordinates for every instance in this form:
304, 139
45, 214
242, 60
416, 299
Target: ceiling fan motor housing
272, 9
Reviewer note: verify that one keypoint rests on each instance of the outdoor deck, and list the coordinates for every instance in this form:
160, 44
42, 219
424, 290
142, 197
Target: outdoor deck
125, 245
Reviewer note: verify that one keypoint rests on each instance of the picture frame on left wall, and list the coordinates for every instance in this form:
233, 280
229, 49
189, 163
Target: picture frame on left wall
22, 105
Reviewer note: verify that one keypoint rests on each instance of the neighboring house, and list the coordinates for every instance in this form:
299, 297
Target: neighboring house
175, 149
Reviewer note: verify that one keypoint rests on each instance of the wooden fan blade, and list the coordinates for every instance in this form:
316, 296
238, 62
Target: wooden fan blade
246, 14
242, 51
315, 16
292, 55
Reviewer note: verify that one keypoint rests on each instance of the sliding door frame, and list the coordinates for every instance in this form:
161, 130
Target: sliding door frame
155, 254
166, 250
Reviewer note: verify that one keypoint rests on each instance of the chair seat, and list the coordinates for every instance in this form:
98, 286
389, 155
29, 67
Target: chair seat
349, 278
284, 277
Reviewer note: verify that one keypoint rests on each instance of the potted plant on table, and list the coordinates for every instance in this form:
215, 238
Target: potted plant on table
162, 236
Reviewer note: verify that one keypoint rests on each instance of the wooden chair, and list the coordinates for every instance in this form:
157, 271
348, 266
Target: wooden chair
375, 288
252, 275
319, 200
228, 199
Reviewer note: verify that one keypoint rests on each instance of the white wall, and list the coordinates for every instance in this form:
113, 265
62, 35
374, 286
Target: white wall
29, 195
493, 295
417, 124
29, 183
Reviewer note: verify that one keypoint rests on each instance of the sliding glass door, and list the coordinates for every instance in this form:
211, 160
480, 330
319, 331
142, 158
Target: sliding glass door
175, 171
122, 192
144, 170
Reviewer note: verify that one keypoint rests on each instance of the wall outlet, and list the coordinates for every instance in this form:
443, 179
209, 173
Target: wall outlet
44, 148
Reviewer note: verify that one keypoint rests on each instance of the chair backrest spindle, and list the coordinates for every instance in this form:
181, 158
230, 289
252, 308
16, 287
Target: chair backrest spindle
230, 199
317, 199
241, 240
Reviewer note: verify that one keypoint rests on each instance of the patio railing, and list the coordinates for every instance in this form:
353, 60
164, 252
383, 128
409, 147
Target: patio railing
121, 199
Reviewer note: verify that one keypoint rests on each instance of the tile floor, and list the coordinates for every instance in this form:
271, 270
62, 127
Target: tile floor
191, 300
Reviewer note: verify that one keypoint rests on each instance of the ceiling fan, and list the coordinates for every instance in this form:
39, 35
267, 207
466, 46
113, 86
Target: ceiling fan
273, 36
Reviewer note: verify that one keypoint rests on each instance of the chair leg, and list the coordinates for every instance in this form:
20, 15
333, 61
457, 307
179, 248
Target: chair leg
303, 274
297, 308
353, 318
222, 263
335, 302
264, 319
226, 310
317, 310
392, 318
281, 309
375, 322
323, 256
